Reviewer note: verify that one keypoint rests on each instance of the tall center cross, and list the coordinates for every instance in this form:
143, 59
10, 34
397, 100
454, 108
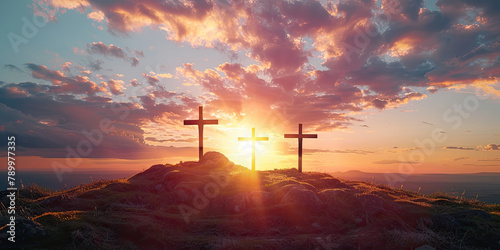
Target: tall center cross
253, 139
200, 122
300, 136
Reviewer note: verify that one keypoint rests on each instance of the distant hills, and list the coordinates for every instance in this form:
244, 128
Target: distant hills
483, 186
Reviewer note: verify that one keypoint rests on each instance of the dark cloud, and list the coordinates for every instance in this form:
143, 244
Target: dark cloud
96, 65
47, 122
65, 84
459, 148
101, 48
151, 79
14, 68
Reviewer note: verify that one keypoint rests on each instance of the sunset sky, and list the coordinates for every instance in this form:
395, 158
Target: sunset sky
387, 85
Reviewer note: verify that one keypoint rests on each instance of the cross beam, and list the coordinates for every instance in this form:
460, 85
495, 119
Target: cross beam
200, 122
253, 139
300, 136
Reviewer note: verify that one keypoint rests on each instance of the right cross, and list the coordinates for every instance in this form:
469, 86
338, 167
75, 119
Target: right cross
300, 136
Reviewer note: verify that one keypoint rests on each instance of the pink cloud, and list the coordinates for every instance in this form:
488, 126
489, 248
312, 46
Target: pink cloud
151, 79
370, 56
76, 85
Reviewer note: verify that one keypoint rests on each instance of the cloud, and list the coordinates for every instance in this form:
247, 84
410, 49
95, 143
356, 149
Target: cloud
111, 51
394, 162
483, 165
353, 151
14, 68
490, 159
370, 57
398, 149
51, 121
95, 65
489, 147
173, 140
459, 148
151, 79
461, 158
65, 84
134, 82
115, 86
96, 15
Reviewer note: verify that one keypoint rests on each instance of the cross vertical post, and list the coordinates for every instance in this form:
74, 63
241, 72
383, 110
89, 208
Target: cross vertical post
300, 137
200, 123
253, 139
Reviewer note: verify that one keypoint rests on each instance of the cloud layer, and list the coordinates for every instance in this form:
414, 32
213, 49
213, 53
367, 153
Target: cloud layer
313, 62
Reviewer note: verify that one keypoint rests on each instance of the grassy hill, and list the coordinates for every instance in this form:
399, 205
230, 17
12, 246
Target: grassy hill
215, 204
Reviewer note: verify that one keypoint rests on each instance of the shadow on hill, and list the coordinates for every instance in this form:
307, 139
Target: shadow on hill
218, 205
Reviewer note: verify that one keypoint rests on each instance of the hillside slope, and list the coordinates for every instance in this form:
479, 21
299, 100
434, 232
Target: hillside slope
216, 204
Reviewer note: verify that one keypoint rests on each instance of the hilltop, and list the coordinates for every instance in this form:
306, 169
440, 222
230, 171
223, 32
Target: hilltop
215, 204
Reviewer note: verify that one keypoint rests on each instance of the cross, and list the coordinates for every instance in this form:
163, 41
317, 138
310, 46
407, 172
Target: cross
253, 139
300, 136
200, 122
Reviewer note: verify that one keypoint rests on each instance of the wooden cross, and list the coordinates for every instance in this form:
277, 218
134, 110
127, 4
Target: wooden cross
253, 139
300, 136
200, 122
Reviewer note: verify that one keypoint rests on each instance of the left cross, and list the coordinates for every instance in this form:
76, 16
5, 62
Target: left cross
200, 122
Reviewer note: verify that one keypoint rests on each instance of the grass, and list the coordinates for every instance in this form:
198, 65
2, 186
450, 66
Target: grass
134, 213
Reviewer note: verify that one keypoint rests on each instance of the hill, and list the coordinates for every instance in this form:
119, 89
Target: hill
484, 187
215, 204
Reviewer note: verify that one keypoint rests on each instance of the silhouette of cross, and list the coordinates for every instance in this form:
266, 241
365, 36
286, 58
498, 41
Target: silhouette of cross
300, 136
253, 139
200, 122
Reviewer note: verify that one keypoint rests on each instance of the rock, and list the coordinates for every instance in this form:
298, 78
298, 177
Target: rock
57, 201
120, 187
151, 174
278, 194
173, 178
215, 159
159, 188
358, 221
371, 202
473, 213
445, 221
236, 203
302, 198
258, 198
184, 194
425, 247
26, 230
333, 196
331, 182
